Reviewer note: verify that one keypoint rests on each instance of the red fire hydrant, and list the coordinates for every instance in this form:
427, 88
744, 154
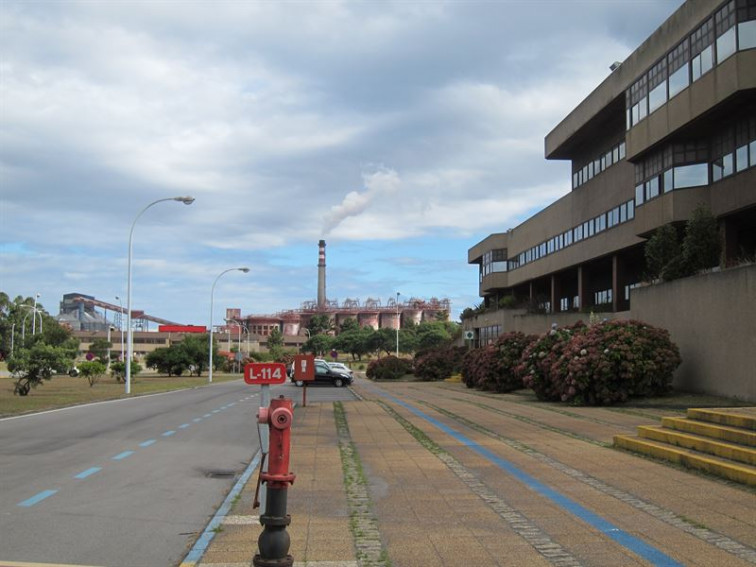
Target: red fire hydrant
274, 540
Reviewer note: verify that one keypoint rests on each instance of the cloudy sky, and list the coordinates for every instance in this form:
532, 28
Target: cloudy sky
402, 133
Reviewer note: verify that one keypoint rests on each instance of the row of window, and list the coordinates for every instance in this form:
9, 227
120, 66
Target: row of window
596, 166
496, 261
676, 177
731, 28
697, 174
493, 261
487, 335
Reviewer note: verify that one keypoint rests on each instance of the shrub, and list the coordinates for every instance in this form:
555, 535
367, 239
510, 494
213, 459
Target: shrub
493, 367
92, 371
613, 361
438, 363
478, 366
535, 368
388, 368
118, 370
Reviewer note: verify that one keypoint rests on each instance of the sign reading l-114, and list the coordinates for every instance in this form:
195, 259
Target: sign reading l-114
265, 373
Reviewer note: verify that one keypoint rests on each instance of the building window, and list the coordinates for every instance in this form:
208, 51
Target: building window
724, 24
741, 158
602, 297
747, 35
693, 175
726, 45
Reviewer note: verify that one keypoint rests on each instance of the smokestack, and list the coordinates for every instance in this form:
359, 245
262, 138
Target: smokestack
321, 275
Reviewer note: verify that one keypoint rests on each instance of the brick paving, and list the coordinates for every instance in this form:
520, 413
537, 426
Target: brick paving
379, 485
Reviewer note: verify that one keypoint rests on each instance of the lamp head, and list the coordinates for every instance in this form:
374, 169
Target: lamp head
185, 200
245, 270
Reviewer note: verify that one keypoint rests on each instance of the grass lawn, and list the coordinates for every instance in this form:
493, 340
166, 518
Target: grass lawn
63, 390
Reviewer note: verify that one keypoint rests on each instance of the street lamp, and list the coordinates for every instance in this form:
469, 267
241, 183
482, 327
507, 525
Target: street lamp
239, 349
212, 292
129, 332
120, 323
34, 319
398, 323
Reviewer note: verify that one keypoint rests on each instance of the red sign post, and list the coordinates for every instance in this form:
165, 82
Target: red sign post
265, 373
304, 370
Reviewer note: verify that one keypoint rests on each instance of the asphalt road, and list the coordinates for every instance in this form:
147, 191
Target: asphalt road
124, 483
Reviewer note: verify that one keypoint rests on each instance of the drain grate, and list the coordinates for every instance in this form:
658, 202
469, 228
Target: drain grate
220, 474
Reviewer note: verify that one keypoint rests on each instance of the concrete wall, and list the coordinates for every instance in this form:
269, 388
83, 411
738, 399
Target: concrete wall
710, 317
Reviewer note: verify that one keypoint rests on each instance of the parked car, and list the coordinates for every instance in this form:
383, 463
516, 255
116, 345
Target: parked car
324, 374
341, 367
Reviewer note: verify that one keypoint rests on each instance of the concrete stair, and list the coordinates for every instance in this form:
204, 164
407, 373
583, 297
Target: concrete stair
718, 441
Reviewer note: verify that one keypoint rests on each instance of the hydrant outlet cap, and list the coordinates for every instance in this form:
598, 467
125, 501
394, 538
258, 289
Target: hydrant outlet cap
281, 418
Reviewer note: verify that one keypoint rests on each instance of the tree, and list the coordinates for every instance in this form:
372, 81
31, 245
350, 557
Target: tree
320, 324
661, 250
383, 340
432, 334
319, 344
701, 246
100, 348
350, 324
92, 371
356, 342
275, 342
31, 366
195, 348
171, 360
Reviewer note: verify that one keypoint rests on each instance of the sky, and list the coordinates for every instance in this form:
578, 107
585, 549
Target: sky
401, 133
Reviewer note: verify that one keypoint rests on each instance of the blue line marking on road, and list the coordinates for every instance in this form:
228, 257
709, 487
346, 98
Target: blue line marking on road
197, 419
200, 546
29, 502
147, 443
215, 411
208, 415
123, 455
628, 541
232, 404
184, 425
169, 433
88, 472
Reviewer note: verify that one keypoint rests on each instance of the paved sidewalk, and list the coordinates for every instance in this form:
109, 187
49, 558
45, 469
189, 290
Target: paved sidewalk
375, 488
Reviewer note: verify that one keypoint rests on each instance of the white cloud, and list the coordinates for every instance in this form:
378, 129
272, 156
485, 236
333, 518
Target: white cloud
273, 115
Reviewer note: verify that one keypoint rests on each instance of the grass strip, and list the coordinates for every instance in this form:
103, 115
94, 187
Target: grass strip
362, 519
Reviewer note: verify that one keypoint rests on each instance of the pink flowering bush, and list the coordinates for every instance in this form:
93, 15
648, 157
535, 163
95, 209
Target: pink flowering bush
438, 363
539, 358
493, 367
388, 368
614, 361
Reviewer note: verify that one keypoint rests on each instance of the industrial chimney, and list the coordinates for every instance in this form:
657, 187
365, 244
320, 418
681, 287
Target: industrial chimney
321, 275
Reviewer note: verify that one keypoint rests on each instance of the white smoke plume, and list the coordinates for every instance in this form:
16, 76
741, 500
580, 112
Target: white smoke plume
377, 184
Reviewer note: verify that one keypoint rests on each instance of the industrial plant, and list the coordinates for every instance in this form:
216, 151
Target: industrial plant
89, 316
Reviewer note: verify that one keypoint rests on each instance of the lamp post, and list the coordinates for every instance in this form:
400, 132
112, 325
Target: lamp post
120, 324
398, 323
34, 319
212, 292
129, 331
238, 348
13, 334
110, 328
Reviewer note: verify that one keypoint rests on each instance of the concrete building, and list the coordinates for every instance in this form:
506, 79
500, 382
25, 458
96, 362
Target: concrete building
671, 128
